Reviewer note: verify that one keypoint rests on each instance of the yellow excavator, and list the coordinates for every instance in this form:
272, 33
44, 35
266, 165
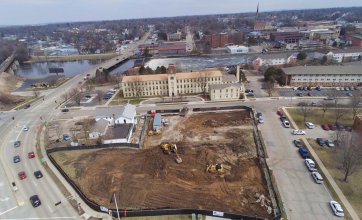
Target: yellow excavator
215, 168
168, 148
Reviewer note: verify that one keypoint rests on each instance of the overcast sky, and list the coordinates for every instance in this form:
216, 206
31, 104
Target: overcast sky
17, 12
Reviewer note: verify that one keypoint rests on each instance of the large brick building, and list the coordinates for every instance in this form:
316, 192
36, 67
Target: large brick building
223, 39
356, 40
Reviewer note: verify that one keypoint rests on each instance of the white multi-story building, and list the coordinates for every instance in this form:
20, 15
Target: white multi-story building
345, 55
176, 84
236, 49
323, 75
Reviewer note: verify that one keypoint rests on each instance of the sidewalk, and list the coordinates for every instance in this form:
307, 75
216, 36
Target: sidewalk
326, 173
88, 212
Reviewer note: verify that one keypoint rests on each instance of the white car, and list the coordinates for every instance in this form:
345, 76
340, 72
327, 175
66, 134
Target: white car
330, 143
286, 123
309, 125
310, 165
25, 128
317, 177
298, 132
337, 88
336, 208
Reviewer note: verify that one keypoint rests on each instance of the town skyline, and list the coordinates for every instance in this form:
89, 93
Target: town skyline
39, 12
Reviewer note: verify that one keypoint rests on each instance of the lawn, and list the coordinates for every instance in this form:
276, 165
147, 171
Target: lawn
316, 117
352, 189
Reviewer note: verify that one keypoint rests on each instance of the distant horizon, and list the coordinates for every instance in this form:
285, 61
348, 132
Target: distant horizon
112, 9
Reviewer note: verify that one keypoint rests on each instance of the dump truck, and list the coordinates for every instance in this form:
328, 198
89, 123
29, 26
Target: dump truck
215, 168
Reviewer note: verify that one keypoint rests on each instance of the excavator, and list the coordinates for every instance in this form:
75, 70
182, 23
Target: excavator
168, 148
215, 168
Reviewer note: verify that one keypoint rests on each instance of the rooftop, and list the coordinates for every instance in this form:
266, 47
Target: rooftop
224, 86
348, 50
322, 70
185, 75
126, 111
229, 78
357, 36
273, 56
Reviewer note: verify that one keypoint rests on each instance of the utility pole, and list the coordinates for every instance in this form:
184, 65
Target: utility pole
115, 200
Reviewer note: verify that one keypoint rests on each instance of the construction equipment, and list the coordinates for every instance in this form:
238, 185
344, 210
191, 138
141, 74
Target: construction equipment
168, 148
215, 168
184, 111
152, 132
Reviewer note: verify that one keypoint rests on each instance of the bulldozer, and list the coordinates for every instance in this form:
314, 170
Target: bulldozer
152, 132
215, 168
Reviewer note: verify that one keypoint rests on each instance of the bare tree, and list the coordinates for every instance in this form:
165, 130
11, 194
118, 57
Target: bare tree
355, 105
339, 112
352, 154
136, 87
77, 98
58, 131
73, 133
305, 110
87, 124
36, 93
325, 107
340, 135
202, 82
269, 86
100, 94
65, 96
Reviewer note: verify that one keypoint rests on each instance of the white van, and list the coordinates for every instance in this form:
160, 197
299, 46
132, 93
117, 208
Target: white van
317, 177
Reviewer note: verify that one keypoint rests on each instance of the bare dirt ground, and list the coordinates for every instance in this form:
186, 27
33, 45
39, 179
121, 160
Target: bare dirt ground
9, 82
148, 178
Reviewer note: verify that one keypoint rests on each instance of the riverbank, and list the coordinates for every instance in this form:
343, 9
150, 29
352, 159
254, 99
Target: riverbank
103, 56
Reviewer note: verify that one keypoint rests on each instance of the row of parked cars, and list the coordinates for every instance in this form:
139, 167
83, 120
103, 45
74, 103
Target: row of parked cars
109, 94
337, 126
310, 164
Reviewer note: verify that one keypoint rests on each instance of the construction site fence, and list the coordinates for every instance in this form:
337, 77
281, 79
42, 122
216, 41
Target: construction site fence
151, 212
91, 147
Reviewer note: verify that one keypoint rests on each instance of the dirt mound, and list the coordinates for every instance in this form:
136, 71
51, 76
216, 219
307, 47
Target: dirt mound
9, 82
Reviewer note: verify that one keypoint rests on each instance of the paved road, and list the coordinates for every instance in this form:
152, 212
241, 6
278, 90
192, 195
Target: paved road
16, 205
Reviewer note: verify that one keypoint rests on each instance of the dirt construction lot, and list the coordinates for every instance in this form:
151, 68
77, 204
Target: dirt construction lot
148, 178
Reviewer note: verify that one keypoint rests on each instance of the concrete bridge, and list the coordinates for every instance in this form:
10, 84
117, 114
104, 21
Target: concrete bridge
10, 65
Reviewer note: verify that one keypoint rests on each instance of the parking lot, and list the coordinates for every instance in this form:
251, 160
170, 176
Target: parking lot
325, 92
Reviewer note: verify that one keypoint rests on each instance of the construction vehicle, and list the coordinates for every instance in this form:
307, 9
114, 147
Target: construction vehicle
168, 148
184, 111
215, 168
152, 132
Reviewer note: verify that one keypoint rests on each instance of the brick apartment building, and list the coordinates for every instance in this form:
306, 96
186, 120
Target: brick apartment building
223, 39
356, 40
286, 37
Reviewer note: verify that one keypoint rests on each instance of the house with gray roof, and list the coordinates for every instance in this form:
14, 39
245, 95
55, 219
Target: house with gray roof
117, 114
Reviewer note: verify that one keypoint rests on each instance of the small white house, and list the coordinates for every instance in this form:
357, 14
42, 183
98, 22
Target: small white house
236, 49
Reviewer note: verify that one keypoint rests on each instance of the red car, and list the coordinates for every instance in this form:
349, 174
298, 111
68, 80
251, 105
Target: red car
325, 127
310, 94
280, 113
22, 175
31, 155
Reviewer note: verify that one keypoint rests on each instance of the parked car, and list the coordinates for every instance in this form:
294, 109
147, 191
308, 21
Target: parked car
283, 118
332, 127
38, 174
27, 106
329, 143
25, 128
318, 88
286, 123
65, 110
310, 165
310, 94
340, 126
298, 132
349, 94
303, 152
31, 154
309, 125
325, 127
16, 159
22, 175
348, 128
259, 114
15, 188
298, 143
260, 120
321, 142
280, 113
35, 201
336, 208
17, 144
66, 137
317, 177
